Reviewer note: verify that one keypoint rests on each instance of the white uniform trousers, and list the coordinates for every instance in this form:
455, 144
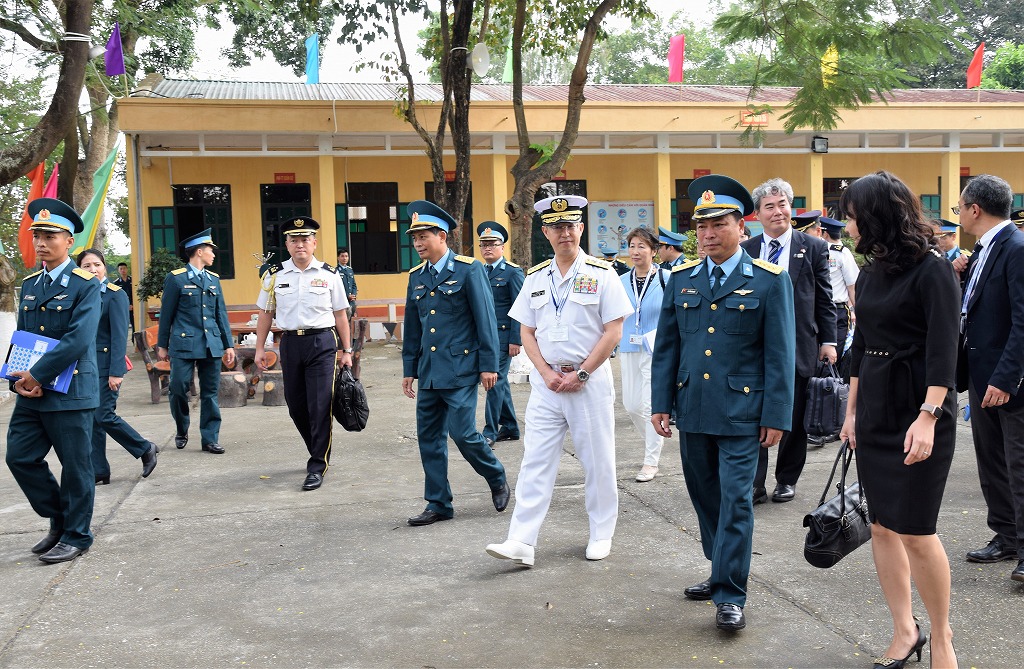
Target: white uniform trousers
636, 397
589, 416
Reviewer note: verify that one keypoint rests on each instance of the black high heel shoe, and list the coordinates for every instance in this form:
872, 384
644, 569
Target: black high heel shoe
103, 480
890, 663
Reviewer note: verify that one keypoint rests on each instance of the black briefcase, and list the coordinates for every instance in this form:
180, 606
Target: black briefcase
826, 401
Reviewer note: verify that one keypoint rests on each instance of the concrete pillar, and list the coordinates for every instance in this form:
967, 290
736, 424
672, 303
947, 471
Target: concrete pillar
665, 191
324, 212
950, 195
816, 188
499, 186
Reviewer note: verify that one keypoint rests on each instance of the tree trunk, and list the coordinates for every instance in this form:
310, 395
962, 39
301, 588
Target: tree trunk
60, 116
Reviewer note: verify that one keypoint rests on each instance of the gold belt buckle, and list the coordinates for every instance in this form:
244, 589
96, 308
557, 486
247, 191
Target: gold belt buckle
300, 332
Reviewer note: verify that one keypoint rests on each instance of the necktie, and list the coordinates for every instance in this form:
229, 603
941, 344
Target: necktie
774, 251
47, 280
433, 271
972, 280
716, 279
490, 268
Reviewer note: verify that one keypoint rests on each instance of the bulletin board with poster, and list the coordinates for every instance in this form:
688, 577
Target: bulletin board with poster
610, 222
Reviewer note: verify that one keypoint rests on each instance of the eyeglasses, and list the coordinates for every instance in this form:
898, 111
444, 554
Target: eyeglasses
958, 208
490, 245
561, 227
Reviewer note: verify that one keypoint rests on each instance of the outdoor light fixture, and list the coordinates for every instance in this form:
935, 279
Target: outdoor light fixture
819, 145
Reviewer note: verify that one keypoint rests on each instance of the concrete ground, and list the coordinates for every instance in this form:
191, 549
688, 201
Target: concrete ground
223, 561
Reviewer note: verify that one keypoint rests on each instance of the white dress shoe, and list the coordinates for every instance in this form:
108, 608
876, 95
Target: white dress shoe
599, 550
516, 551
646, 473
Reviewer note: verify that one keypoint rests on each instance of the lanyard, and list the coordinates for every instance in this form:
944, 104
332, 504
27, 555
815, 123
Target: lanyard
640, 298
559, 301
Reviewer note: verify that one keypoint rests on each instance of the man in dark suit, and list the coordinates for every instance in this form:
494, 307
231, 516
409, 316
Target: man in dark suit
991, 362
506, 279
450, 345
61, 302
194, 327
726, 345
805, 258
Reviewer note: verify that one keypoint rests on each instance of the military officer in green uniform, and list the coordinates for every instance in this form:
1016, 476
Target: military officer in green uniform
506, 279
727, 355
194, 329
61, 302
450, 345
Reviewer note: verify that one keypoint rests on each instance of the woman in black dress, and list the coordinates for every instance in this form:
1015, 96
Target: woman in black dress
901, 415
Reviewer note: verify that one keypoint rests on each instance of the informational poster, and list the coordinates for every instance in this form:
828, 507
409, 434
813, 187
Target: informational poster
610, 222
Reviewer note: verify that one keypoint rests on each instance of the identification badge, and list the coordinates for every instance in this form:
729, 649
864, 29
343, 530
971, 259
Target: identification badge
559, 333
636, 339
189, 285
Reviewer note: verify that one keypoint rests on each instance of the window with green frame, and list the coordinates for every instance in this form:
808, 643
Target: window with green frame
161, 229
1018, 201
407, 256
931, 205
201, 206
341, 226
799, 202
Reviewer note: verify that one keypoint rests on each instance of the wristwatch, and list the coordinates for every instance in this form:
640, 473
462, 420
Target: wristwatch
582, 375
347, 350
932, 410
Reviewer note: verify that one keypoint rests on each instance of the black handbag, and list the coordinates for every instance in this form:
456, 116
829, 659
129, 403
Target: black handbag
349, 404
837, 527
826, 401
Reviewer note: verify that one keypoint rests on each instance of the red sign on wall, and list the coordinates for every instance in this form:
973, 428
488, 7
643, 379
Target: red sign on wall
699, 172
965, 171
284, 177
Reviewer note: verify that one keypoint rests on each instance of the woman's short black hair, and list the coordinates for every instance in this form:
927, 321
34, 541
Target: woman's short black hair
91, 252
894, 233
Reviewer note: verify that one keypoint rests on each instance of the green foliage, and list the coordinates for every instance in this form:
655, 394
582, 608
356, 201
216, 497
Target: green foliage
874, 40
545, 150
160, 264
1006, 69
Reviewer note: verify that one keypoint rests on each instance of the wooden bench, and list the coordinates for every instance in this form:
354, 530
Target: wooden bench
159, 371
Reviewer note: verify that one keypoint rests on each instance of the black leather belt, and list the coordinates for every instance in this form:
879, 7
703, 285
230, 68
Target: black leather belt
311, 331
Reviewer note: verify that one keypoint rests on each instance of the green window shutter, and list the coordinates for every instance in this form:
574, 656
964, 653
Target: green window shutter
407, 256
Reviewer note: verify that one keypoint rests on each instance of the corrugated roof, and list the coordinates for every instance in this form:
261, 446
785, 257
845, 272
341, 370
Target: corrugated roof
652, 93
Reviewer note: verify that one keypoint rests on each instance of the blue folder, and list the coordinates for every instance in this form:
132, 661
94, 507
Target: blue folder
26, 350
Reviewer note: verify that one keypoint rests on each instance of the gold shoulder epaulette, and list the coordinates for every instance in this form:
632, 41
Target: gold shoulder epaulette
178, 271
599, 263
511, 264
35, 273
417, 267
466, 259
538, 266
836, 247
689, 264
767, 266
88, 276
213, 274
113, 286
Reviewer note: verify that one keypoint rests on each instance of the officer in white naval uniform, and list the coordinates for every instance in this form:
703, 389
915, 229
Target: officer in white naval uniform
571, 311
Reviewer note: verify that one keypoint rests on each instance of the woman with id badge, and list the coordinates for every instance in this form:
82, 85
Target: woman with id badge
645, 286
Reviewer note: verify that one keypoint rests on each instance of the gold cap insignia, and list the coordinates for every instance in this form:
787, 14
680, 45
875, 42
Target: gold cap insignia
707, 197
43, 215
560, 204
299, 223
488, 232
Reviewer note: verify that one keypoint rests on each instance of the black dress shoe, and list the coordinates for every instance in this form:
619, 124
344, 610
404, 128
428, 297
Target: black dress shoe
62, 552
995, 551
313, 481
699, 592
428, 517
213, 448
180, 440
103, 479
490, 442
149, 460
1018, 573
729, 617
507, 436
500, 496
760, 495
816, 440
784, 493
46, 543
